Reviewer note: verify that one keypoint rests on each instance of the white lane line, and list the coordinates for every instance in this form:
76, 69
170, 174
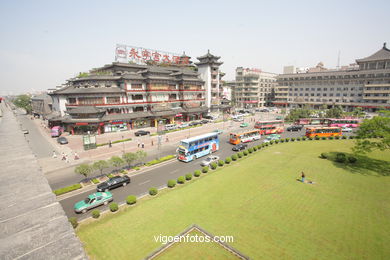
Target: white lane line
174, 171
142, 183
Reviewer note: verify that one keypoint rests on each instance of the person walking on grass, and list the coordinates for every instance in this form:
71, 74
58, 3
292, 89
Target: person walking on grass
303, 177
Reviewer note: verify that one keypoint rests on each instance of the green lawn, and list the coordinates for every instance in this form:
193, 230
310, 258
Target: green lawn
345, 215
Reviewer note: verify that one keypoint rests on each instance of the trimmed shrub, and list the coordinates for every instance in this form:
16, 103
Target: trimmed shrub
205, 169
298, 139
197, 173
352, 159
123, 171
277, 141
351, 137
343, 137
73, 222
221, 163
181, 180
282, 140
292, 139
96, 213
304, 138
287, 139
337, 137
114, 207
234, 157
153, 191
323, 138
271, 142
188, 176
95, 181
137, 168
213, 165
310, 138
245, 152
228, 160
266, 144
110, 175
259, 146
240, 154
331, 137
254, 148
171, 183
250, 150
67, 189
340, 157
323, 156
131, 199
317, 138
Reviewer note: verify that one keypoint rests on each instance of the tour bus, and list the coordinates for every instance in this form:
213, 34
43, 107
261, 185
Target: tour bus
325, 131
244, 137
270, 127
344, 122
56, 131
198, 146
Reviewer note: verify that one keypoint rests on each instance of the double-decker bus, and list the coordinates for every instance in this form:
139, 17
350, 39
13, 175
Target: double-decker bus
244, 137
270, 127
325, 131
312, 121
198, 146
344, 122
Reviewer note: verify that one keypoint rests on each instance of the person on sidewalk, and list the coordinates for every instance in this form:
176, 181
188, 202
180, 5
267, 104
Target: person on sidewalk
66, 158
167, 140
54, 154
143, 145
109, 144
138, 143
63, 156
76, 156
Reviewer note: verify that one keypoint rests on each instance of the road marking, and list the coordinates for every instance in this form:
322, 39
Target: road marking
142, 183
175, 171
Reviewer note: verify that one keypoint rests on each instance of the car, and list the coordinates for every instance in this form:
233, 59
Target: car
264, 110
25, 131
92, 201
209, 160
271, 137
62, 140
279, 118
244, 125
294, 128
113, 182
141, 132
184, 125
170, 127
218, 131
238, 119
346, 129
239, 147
194, 123
204, 121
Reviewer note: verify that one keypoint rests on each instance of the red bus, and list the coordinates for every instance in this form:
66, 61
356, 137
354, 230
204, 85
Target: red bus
312, 121
270, 127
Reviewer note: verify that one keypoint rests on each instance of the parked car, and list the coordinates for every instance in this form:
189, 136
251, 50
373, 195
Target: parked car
62, 140
244, 125
264, 110
279, 118
92, 201
294, 128
346, 129
141, 132
239, 147
209, 159
238, 119
195, 123
170, 127
218, 131
184, 125
204, 121
113, 182
25, 131
271, 138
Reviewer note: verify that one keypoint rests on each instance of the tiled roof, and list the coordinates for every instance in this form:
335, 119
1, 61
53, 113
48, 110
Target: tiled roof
74, 90
382, 54
84, 110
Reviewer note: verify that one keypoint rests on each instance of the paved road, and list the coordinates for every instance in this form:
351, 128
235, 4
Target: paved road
157, 177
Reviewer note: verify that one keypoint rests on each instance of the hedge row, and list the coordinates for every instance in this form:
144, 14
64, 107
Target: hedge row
115, 142
67, 189
160, 160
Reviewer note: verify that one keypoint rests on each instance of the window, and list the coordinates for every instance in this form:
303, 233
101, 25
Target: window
113, 100
72, 100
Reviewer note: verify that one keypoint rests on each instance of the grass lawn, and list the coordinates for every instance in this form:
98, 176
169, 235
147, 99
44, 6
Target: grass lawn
345, 215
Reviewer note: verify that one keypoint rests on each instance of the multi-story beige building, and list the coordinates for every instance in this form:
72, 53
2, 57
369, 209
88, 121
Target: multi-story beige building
365, 84
253, 88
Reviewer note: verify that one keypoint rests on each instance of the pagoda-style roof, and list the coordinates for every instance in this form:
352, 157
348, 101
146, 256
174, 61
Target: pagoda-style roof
208, 55
88, 90
382, 54
84, 110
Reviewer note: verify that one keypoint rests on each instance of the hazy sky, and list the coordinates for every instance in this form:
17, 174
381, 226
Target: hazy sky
43, 43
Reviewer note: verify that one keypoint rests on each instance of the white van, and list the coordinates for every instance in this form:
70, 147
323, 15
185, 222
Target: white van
170, 127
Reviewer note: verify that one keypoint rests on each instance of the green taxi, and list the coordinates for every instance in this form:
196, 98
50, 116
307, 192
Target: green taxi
94, 200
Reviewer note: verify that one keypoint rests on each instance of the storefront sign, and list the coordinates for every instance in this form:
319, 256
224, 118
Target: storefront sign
179, 115
81, 123
140, 55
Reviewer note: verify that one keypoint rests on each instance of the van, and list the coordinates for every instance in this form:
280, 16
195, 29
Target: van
56, 131
170, 127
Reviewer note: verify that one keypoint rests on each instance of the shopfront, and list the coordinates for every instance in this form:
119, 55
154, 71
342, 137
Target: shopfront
141, 123
115, 126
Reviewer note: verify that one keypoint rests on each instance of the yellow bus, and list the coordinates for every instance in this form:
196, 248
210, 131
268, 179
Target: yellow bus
323, 131
244, 137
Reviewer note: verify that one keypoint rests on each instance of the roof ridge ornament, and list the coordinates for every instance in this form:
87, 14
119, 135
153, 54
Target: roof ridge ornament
384, 45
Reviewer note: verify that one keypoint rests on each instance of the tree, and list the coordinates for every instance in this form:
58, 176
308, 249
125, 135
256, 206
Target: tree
335, 112
100, 165
297, 113
140, 155
129, 158
23, 101
378, 126
116, 161
83, 169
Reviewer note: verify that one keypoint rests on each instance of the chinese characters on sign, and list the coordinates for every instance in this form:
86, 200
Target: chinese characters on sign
139, 55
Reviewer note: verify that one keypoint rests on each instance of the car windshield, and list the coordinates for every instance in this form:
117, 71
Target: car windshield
87, 200
208, 159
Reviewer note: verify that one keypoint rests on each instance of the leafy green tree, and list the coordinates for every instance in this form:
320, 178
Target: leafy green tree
297, 113
83, 169
378, 126
116, 161
100, 165
140, 155
23, 101
129, 158
335, 112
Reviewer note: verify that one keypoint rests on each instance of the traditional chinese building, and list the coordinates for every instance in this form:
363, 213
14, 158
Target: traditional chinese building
122, 96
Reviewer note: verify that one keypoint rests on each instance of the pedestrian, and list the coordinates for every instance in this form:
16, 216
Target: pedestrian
66, 158
152, 142
167, 140
109, 144
63, 156
54, 154
76, 156
303, 177
143, 145
138, 143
